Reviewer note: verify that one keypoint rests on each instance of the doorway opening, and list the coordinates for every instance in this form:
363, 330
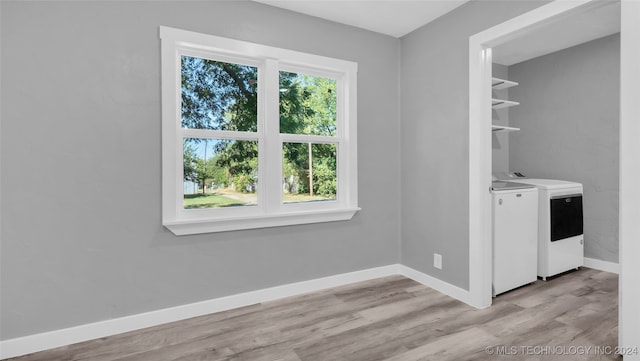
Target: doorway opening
481, 54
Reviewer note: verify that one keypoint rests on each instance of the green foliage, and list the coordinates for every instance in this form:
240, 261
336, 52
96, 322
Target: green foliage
324, 170
290, 176
217, 95
240, 160
307, 104
223, 96
219, 175
190, 162
323, 103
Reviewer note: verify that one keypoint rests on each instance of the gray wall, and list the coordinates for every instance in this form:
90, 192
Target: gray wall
500, 140
569, 120
435, 141
82, 239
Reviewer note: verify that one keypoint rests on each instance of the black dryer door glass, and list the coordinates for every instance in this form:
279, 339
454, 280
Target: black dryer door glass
566, 217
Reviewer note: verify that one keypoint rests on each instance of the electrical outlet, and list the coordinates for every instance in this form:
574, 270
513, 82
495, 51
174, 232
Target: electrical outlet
437, 261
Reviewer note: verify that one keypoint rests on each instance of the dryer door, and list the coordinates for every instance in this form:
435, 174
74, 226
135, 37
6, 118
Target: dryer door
566, 216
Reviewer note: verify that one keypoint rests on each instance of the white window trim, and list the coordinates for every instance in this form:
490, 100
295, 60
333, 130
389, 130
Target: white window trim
271, 211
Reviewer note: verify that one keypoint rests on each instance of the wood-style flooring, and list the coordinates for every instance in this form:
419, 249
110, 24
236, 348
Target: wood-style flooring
570, 317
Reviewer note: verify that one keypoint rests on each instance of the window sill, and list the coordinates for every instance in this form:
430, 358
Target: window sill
186, 227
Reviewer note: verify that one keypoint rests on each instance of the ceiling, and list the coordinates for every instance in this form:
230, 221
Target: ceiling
391, 17
573, 29
399, 17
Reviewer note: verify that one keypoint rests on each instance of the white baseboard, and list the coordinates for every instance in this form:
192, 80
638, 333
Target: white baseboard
48, 340
438, 285
602, 265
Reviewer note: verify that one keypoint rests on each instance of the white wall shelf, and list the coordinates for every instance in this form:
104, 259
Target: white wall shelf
502, 128
502, 103
499, 84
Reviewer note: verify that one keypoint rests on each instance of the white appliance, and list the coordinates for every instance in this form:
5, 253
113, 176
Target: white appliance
560, 226
515, 235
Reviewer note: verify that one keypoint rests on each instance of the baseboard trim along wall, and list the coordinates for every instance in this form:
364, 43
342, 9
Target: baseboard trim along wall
438, 285
48, 340
602, 265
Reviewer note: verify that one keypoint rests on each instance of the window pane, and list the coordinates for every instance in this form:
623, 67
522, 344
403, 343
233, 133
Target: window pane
307, 104
308, 172
220, 173
217, 95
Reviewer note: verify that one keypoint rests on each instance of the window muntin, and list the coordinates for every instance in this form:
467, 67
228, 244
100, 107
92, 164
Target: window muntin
233, 117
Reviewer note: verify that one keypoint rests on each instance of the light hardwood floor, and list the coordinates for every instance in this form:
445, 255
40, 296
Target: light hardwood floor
391, 318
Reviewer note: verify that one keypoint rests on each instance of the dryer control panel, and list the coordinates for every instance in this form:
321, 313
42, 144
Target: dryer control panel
508, 175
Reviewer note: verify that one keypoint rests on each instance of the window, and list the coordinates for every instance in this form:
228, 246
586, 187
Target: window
254, 136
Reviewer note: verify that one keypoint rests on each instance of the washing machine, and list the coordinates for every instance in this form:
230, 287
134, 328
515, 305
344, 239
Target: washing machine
560, 224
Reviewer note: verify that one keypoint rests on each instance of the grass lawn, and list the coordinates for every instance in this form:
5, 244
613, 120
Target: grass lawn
303, 197
215, 200
211, 200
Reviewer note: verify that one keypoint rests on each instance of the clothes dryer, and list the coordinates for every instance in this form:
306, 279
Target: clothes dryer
560, 225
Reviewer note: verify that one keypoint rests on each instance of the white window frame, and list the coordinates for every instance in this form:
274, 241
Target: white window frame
270, 211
